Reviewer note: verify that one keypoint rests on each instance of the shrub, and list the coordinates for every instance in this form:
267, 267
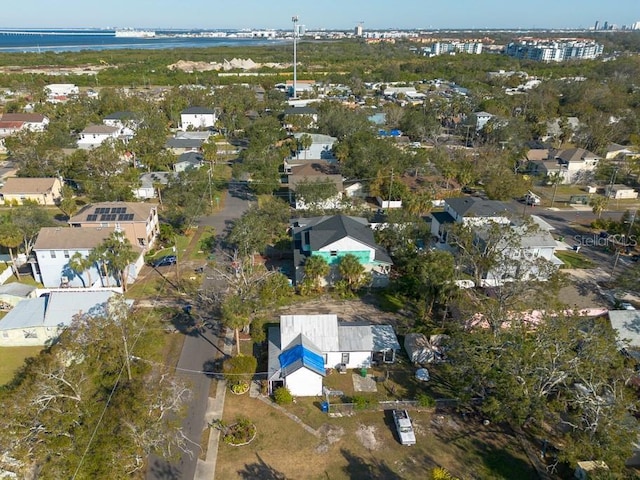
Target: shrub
426, 401
282, 396
360, 402
239, 369
440, 473
257, 332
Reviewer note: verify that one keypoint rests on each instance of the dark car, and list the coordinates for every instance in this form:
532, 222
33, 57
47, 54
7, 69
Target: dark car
164, 261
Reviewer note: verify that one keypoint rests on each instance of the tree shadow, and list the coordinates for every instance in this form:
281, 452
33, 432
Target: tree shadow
261, 470
160, 469
358, 467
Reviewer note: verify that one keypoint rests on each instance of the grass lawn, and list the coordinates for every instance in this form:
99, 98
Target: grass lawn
364, 446
12, 358
574, 259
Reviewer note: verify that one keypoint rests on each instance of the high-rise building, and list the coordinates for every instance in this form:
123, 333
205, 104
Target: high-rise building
358, 30
597, 25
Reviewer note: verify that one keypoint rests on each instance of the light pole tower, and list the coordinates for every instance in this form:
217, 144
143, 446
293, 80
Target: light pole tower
294, 19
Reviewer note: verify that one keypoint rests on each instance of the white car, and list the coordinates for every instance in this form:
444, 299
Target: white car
627, 306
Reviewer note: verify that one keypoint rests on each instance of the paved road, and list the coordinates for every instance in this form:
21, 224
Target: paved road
198, 354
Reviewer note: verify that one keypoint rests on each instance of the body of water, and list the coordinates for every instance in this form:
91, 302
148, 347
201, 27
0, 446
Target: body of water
76, 40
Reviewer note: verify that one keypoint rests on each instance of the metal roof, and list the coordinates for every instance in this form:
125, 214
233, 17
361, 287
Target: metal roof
321, 330
26, 314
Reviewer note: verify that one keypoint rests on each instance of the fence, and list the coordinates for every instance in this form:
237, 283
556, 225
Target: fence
345, 409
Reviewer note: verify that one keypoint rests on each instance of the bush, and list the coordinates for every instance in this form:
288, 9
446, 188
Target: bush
360, 402
440, 473
282, 396
426, 401
239, 369
258, 335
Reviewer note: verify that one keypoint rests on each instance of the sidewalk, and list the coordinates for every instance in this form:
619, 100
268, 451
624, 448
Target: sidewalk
206, 469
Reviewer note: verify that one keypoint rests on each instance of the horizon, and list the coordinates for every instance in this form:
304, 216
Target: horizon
324, 15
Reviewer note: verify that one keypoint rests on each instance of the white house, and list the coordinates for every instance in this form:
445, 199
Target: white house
148, 183
619, 192
126, 122
304, 346
60, 92
54, 248
44, 191
333, 237
39, 321
470, 211
578, 163
321, 148
197, 118
35, 122
480, 119
188, 160
184, 142
95, 135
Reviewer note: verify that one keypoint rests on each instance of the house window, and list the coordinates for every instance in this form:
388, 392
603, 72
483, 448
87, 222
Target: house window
5, 334
142, 242
345, 358
334, 253
53, 253
66, 253
30, 334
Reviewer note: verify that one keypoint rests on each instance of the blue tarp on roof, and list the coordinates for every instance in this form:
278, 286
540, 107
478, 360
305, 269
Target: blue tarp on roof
299, 356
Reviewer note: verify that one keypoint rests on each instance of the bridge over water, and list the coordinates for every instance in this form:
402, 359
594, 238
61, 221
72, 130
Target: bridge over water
56, 33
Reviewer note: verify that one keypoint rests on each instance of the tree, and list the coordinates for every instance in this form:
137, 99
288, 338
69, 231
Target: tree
316, 269
314, 193
351, 270
68, 203
80, 264
11, 239
116, 254
305, 141
598, 204
28, 220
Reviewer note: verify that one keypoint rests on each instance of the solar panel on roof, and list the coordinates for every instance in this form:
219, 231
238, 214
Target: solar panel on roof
92, 218
125, 217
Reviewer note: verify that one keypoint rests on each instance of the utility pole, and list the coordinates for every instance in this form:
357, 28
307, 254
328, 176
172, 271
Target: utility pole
390, 188
555, 189
294, 19
210, 190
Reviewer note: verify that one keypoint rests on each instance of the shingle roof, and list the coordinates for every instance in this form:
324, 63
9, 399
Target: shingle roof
140, 212
65, 238
300, 111
193, 158
197, 111
100, 129
24, 185
184, 143
23, 117
472, 206
315, 172
575, 155
5, 124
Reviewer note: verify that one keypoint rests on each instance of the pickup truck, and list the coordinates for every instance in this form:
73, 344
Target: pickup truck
404, 428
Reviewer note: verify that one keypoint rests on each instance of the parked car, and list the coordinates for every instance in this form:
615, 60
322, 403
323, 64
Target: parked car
164, 261
406, 434
627, 306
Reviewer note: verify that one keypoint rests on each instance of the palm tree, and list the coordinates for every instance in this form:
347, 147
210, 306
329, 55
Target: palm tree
11, 238
351, 270
304, 142
316, 268
598, 205
80, 264
116, 254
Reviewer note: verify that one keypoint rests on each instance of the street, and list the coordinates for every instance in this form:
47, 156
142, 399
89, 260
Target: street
199, 353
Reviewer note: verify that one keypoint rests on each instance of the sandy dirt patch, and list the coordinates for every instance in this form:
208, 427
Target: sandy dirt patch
366, 436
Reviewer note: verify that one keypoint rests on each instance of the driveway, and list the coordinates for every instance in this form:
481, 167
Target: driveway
199, 353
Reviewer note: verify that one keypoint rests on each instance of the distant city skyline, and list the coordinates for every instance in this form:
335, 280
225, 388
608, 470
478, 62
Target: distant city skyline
326, 14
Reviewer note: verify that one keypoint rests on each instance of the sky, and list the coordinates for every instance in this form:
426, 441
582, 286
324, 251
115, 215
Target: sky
316, 14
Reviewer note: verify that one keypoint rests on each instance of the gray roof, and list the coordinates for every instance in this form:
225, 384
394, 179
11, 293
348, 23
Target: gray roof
193, 158
274, 350
123, 115
326, 230
26, 314
99, 129
148, 180
477, 207
301, 111
355, 337
65, 238
58, 309
575, 155
184, 142
384, 338
17, 289
197, 111
321, 330
317, 138
193, 135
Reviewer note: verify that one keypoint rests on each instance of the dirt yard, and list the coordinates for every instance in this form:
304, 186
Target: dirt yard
364, 446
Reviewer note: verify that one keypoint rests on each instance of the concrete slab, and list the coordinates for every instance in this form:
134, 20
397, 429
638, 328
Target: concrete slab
364, 384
